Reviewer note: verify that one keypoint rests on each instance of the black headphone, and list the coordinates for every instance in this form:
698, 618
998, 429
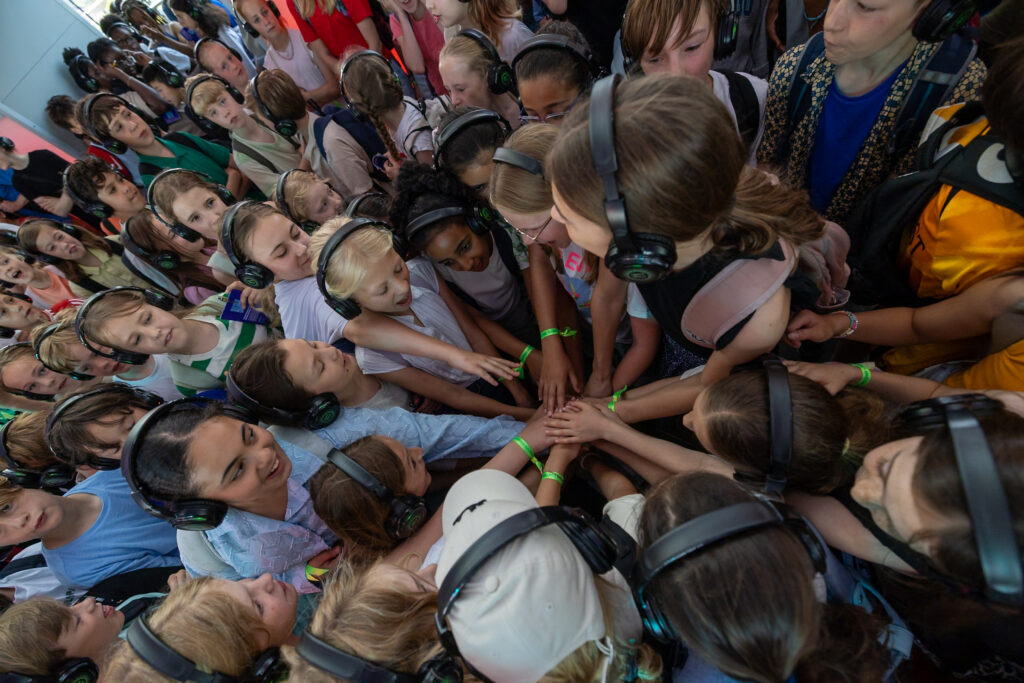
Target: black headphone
347, 308
153, 298
322, 410
6, 144
37, 344
632, 256
248, 28
942, 18
168, 73
127, 27
55, 476
268, 667
481, 219
349, 667
594, 544
554, 41
500, 76
8, 332
462, 122
115, 146
208, 41
202, 122
780, 411
29, 259
77, 670
708, 530
285, 127
93, 207
148, 399
511, 157
307, 225
35, 396
406, 512
193, 8
80, 74
727, 31
362, 54
992, 521
163, 259
248, 273
179, 228
352, 209
187, 515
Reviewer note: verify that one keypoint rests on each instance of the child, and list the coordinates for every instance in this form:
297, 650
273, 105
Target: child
333, 151
240, 626
108, 56
41, 283
139, 322
331, 31
18, 314
24, 376
466, 140
373, 90
170, 83
110, 118
420, 40
496, 19
59, 349
184, 261
93, 532
265, 238
286, 50
679, 37
129, 38
260, 153
553, 70
99, 188
308, 199
523, 192
156, 27
478, 257
212, 22
27, 460
347, 275
694, 221
60, 110
223, 61
475, 76
89, 263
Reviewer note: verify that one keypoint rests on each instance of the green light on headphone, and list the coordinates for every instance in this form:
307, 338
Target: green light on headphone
413, 518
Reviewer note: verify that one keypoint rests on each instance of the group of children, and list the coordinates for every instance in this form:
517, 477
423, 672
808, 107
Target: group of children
443, 355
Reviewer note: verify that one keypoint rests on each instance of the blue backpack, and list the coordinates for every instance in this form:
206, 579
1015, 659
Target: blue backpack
359, 128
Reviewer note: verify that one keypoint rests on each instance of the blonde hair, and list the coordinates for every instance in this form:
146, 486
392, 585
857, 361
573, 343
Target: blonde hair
308, 7
477, 59
682, 170
296, 193
492, 16
28, 636
362, 615
204, 624
204, 94
174, 184
53, 350
26, 440
373, 89
516, 190
346, 270
9, 491
112, 305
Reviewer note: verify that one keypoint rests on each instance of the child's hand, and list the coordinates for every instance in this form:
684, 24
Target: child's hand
391, 167
809, 326
49, 204
249, 297
151, 32
484, 367
598, 386
580, 423
833, 376
557, 372
534, 433
328, 559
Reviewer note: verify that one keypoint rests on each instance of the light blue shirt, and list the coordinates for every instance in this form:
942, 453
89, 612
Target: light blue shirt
123, 538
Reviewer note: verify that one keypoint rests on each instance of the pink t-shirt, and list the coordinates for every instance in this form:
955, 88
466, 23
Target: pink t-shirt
431, 40
58, 290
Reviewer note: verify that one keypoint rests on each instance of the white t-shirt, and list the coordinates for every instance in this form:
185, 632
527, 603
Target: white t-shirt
720, 86
511, 39
413, 133
438, 322
495, 290
160, 381
297, 61
39, 582
305, 314
388, 396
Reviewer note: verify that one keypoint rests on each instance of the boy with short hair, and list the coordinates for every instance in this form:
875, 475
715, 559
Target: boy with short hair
260, 153
60, 109
93, 181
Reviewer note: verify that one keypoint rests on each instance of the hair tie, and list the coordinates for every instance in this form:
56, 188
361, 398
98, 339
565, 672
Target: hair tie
846, 447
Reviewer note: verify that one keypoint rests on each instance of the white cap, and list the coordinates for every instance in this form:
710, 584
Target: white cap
529, 606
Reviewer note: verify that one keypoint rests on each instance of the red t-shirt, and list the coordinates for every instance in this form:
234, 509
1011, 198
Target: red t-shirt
106, 155
336, 30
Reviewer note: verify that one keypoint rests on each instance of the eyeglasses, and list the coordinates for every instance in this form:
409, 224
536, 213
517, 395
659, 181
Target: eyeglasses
524, 119
533, 234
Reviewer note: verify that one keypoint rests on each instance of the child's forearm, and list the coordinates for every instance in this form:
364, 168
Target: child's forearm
646, 334
326, 93
411, 52
645, 468
664, 454
375, 331
671, 397
504, 340
606, 306
452, 395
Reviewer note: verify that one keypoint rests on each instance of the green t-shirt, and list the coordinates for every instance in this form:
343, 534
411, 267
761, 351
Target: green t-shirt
208, 157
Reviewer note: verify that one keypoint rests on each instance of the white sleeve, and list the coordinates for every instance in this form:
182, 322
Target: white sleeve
636, 307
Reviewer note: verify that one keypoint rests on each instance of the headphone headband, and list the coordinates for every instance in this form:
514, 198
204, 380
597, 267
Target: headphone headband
151, 297
148, 398
37, 344
428, 218
339, 459
333, 242
780, 409
511, 157
355, 56
336, 662
461, 123
555, 41
164, 659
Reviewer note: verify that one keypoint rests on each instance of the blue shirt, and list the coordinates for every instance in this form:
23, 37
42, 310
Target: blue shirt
844, 125
123, 538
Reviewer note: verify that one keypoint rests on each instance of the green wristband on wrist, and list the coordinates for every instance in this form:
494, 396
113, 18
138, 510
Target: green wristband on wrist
555, 476
615, 398
865, 375
521, 442
553, 331
521, 370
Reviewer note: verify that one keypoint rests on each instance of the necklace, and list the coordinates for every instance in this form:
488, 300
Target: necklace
813, 20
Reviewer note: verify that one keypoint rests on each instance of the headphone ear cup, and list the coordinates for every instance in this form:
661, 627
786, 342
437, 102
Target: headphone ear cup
727, 31
286, 127
71, 230
225, 195
249, 29
159, 299
651, 261
500, 78
408, 512
346, 308
167, 260
942, 18
254, 275
399, 245
269, 667
656, 624
819, 558
198, 515
323, 410
78, 670
440, 669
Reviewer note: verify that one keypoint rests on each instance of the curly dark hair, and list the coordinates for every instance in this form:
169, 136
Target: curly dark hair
559, 63
422, 188
99, 47
465, 148
60, 109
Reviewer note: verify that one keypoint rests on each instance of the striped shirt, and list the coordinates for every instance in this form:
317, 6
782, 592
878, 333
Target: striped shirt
234, 336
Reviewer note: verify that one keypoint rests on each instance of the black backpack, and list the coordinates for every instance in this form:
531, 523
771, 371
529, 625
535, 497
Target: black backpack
744, 102
879, 224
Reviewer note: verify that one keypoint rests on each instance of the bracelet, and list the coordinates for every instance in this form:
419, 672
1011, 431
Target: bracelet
853, 325
521, 370
865, 375
313, 574
521, 442
615, 398
552, 331
555, 476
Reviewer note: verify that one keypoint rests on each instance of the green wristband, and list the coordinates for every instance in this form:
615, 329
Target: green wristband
615, 398
553, 331
525, 354
553, 476
313, 574
521, 442
865, 375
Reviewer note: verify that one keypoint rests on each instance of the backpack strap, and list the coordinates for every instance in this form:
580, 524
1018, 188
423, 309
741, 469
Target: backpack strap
744, 102
365, 135
239, 146
733, 295
799, 99
929, 149
21, 564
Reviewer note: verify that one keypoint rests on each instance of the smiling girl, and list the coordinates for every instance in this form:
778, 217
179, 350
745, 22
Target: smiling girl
464, 65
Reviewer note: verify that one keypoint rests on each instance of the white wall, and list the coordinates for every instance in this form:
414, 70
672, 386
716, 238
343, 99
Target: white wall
33, 34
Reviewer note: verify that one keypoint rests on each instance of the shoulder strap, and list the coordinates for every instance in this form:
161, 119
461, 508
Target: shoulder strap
799, 99
503, 242
184, 139
734, 294
745, 104
22, 564
929, 149
239, 146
